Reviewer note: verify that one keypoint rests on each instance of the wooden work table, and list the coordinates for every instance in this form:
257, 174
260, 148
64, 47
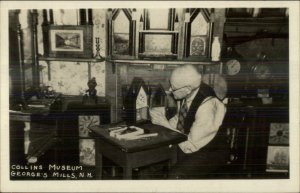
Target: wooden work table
130, 154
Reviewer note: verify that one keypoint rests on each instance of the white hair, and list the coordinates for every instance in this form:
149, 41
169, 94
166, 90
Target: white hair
186, 75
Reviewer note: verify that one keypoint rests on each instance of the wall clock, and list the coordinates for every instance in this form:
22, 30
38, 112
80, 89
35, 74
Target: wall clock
279, 133
86, 121
141, 100
233, 67
236, 76
197, 46
262, 71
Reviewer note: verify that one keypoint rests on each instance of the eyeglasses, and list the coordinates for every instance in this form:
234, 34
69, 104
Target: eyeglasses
174, 90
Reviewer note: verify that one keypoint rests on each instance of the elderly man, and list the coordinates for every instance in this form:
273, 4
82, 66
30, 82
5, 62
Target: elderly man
200, 114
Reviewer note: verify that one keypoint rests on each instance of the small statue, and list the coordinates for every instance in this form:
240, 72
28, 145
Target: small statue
91, 93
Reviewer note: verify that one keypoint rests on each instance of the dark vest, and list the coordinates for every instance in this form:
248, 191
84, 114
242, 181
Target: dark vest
219, 141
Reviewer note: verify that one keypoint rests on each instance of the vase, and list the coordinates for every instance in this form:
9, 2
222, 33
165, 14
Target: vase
216, 50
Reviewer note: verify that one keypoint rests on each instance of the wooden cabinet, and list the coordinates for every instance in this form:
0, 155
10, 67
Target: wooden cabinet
76, 118
253, 153
260, 151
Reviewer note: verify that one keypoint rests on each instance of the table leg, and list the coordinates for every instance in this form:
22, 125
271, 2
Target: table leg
174, 155
173, 158
99, 166
99, 163
127, 172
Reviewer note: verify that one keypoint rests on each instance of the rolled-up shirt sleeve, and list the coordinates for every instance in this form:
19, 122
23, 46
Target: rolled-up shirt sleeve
173, 122
208, 119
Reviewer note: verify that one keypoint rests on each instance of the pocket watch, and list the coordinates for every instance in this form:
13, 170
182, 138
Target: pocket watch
233, 67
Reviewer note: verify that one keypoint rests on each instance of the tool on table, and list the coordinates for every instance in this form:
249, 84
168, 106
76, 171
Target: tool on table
129, 133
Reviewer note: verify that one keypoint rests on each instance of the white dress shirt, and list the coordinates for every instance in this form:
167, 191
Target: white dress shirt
208, 119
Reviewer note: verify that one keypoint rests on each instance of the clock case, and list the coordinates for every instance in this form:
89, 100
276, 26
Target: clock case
155, 97
236, 83
247, 84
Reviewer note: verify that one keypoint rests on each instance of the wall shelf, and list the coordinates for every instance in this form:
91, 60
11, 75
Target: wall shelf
257, 21
71, 59
160, 64
158, 31
179, 62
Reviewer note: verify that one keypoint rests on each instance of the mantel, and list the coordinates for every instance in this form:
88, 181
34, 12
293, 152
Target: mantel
158, 31
72, 59
163, 64
167, 62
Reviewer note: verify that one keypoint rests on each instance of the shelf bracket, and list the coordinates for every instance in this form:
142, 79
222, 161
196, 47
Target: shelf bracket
113, 68
89, 71
49, 70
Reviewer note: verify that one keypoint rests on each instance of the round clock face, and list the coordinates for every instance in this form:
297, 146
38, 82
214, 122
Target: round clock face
233, 67
262, 72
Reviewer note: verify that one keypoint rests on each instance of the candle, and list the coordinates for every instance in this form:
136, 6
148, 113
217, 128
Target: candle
48, 15
78, 17
87, 16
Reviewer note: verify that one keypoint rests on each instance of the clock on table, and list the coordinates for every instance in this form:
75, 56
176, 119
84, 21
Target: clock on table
136, 102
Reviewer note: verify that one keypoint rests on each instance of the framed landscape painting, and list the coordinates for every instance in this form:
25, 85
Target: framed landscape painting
69, 41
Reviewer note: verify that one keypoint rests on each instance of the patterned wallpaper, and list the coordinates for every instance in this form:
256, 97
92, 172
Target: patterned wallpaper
71, 77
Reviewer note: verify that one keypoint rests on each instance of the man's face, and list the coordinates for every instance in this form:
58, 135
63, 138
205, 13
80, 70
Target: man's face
180, 93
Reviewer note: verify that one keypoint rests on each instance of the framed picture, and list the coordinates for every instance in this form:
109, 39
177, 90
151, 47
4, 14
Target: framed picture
87, 152
158, 44
278, 159
121, 44
68, 41
279, 134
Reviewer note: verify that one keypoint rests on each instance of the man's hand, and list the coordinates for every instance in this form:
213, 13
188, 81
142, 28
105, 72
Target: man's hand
158, 116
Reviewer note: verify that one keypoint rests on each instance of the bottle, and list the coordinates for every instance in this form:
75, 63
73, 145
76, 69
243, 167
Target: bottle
216, 50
